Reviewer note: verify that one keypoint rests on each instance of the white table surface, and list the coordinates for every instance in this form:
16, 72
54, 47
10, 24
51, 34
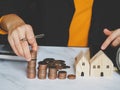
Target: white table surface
13, 74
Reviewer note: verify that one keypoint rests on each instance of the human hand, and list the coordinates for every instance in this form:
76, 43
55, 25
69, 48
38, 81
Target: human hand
20, 46
17, 31
113, 38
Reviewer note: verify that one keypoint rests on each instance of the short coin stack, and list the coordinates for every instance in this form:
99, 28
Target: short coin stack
31, 68
62, 74
42, 70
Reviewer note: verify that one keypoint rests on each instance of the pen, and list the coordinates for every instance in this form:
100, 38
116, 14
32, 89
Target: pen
36, 36
39, 36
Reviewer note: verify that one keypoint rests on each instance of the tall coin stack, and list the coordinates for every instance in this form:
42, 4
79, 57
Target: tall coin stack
31, 68
52, 72
42, 70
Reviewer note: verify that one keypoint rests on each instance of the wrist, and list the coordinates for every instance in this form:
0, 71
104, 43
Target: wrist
10, 22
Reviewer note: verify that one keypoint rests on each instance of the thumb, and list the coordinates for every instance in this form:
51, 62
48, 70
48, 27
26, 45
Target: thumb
2, 32
107, 32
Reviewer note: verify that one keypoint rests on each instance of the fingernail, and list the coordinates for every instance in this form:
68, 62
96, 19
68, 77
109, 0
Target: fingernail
28, 59
102, 47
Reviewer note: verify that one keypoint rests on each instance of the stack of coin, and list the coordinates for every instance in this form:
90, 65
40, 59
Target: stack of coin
60, 64
71, 76
62, 74
42, 70
52, 72
31, 68
49, 61
33, 55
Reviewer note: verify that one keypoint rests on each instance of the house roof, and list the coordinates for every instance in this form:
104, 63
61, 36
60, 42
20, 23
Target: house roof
78, 57
97, 55
86, 55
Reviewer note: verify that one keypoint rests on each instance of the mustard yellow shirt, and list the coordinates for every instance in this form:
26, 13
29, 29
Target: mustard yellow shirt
2, 31
79, 27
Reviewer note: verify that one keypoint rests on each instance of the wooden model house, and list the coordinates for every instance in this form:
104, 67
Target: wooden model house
82, 64
101, 65
98, 66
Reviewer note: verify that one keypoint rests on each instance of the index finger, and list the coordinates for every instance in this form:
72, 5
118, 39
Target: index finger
108, 41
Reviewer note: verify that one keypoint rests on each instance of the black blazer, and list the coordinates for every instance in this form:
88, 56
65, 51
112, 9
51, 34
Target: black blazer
106, 14
53, 18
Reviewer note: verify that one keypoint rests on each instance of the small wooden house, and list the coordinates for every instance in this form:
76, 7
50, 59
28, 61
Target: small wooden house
101, 65
82, 64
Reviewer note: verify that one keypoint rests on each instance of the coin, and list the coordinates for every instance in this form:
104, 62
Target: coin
42, 65
31, 70
32, 63
42, 74
71, 76
31, 67
61, 61
62, 74
52, 72
33, 54
64, 67
31, 75
48, 60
